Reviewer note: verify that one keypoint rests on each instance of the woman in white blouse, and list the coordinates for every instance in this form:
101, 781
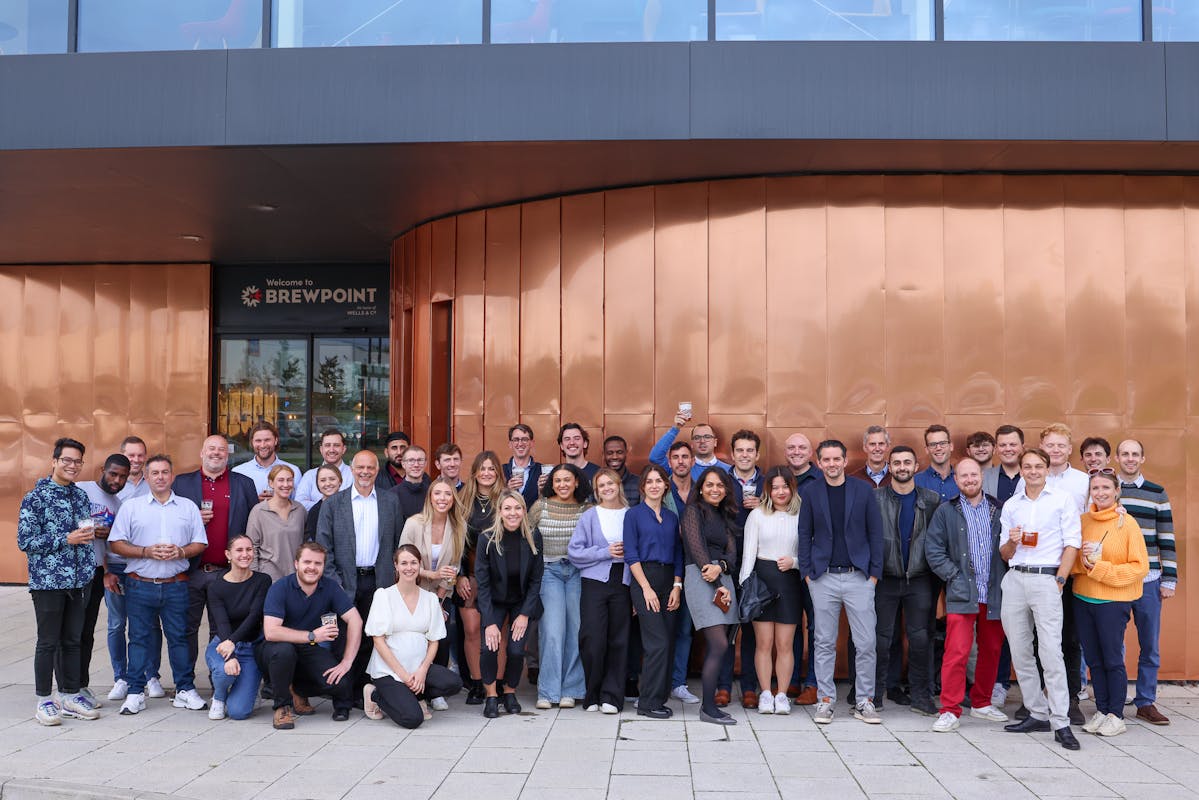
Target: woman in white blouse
406, 624
771, 549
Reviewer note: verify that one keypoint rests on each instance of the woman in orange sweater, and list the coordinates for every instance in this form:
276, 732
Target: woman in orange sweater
1107, 579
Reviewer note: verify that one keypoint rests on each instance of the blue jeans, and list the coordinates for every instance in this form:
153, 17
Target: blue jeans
238, 692
117, 652
561, 670
148, 604
682, 645
1147, 615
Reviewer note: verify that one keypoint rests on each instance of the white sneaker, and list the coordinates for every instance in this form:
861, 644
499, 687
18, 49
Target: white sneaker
1112, 726
78, 707
1092, 725
48, 713
948, 722
218, 709
766, 703
782, 703
608, 708
543, 704
91, 698
866, 712
824, 712
133, 704
439, 704
999, 695
189, 699
119, 690
593, 708
1130, 697
1083, 694
566, 702
683, 694
989, 713
154, 688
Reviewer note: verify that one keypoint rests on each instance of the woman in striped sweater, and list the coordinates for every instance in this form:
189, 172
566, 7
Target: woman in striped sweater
555, 516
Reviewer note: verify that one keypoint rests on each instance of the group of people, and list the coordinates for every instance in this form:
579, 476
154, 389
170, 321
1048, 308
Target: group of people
362, 582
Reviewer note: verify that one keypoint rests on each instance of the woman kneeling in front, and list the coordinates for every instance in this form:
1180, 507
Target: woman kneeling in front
406, 623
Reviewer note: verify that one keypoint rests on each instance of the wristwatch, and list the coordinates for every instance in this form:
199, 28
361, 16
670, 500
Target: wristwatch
1060, 580
311, 638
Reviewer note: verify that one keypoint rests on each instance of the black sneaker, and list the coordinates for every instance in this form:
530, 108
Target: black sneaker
474, 694
924, 706
898, 696
491, 707
511, 706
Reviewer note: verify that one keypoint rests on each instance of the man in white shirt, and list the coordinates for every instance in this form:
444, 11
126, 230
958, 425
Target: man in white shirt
1041, 534
134, 449
333, 448
264, 441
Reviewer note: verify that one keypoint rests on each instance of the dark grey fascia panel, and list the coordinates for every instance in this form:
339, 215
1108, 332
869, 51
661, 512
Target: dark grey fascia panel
932, 90
1182, 92
472, 93
112, 100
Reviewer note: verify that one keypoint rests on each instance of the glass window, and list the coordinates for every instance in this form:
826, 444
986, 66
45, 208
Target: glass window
264, 379
1175, 21
1064, 21
127, 25
345, 23
515, 21
824, 19
33, 26
351, 381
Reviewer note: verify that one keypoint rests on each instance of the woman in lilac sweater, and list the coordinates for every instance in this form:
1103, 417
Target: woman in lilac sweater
597, 550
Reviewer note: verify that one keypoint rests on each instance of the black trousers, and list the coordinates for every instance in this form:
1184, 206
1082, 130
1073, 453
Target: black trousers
657, 636
604, 614
59, 617
87, 634
364, 595
399, 703
915, 597
489, 660
303, 666
198, 582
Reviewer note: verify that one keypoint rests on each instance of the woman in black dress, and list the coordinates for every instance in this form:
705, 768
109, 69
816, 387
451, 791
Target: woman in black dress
481, 491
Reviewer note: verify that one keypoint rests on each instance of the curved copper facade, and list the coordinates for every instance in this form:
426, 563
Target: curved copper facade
97, 353
822, 305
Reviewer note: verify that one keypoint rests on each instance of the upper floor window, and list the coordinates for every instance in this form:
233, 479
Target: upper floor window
518, 21
33, 26
354, 23
1028, 20
824, 19
125, 25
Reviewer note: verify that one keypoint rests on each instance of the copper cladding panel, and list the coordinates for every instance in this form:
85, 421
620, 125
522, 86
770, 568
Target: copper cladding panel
540, 307
973, 299
97, 353
582, 316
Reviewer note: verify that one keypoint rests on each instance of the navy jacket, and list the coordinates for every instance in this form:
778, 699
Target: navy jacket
863, 529
530, 493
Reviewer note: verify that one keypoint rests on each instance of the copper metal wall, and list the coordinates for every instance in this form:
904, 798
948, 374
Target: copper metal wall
822, 305
97, 353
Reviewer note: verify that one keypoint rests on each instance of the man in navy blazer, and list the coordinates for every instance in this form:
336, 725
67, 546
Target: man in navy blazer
232, 495
841, 559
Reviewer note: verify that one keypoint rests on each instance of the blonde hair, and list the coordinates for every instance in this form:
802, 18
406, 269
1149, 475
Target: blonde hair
608, 472
1059, 428
495, 534
275, 470
455, 524
767, 486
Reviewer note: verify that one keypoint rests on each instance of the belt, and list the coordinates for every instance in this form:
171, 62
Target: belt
212, 567
366, 570
182, 576
842, 570
1036, 570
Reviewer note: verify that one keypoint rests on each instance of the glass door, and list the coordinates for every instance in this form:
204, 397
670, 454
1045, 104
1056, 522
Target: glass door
264, 379
351, 379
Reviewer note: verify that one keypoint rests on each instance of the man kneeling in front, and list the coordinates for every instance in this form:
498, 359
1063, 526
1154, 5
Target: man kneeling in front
300, 625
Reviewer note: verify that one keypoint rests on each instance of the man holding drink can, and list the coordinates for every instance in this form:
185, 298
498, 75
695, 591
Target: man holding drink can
1041, 534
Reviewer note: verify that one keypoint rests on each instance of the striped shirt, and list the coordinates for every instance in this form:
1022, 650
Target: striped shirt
1150, 507
978, 531
556, 521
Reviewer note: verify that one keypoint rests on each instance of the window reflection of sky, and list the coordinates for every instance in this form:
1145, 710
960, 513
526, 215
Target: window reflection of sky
126, 25
824, 20
515, 21
33, 26
355, 23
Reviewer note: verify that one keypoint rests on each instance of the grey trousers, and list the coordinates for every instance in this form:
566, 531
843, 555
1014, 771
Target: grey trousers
854, 592
1034, 601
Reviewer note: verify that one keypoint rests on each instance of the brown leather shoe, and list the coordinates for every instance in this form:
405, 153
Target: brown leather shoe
284, 719
749, 699
722, 698
300, 704
793, 691
807, 697
1151, 715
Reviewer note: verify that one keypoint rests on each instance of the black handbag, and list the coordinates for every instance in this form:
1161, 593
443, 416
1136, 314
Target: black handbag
755, 597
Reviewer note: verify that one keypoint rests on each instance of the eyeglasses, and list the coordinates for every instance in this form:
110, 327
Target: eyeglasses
702, 437
937, 445
1101, 471
520, 440
70, 462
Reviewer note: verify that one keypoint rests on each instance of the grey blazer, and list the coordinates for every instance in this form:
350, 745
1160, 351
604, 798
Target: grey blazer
335, 530
991, 480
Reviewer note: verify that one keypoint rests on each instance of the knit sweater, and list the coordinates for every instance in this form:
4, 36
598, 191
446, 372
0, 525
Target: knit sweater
1117, 576
556, 521
1150, 507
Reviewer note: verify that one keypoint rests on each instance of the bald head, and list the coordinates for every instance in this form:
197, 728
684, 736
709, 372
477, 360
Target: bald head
798, 450
214, 455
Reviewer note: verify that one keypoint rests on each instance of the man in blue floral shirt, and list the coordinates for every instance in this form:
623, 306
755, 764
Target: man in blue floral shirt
55, 531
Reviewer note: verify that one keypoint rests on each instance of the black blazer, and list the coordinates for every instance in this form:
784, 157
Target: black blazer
530, 493
242, 497
863, 529
491, 572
